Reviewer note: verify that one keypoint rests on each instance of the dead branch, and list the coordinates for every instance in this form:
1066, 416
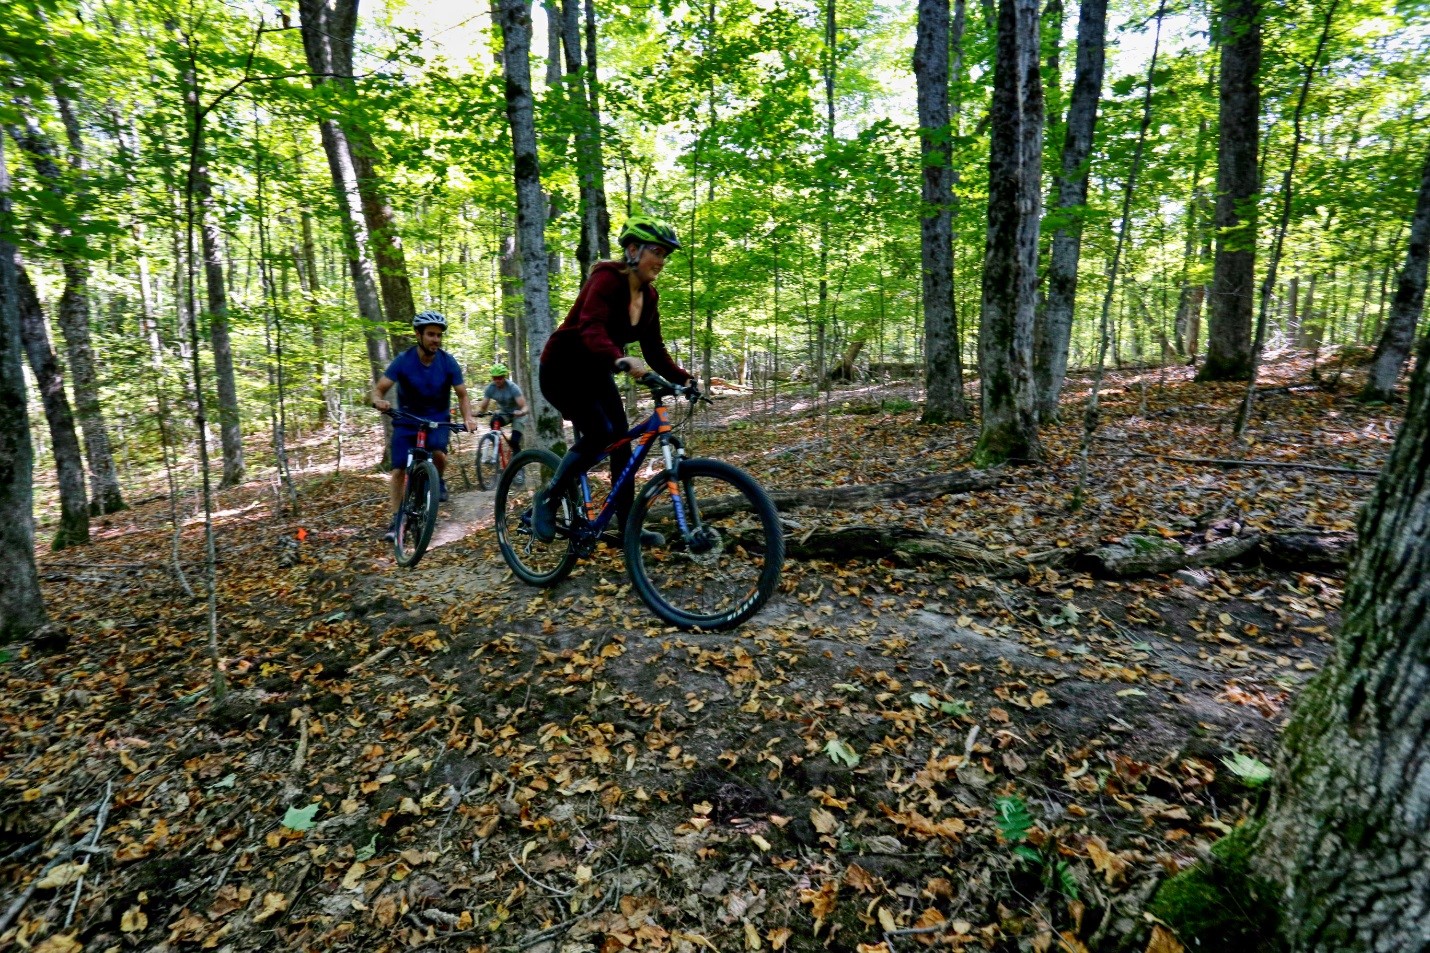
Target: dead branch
1212, 461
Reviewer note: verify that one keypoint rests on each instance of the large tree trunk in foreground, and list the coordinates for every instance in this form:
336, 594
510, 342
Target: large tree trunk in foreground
514, 17
943, 367
1399, 334
64, 442
217, 298
1345, 833
22, 610
1010, 269
1054, 330
1238, 183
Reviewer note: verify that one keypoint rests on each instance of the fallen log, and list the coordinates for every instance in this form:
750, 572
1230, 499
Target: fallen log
916, 490
1215, 462
1136, 555
905, 546
1316, 552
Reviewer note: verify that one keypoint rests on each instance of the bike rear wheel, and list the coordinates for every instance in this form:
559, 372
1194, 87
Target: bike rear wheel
720, 572
418, 515
488, 460
534, 562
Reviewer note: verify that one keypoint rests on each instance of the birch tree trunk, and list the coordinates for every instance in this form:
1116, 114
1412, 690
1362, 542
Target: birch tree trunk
1010, 271
514, 18
230, 427
1344, 835
73, 313
1238, 185
320, 39
329, 27
22, 607
943, 365
1054, 331
1409, 301
595, 244
64, 442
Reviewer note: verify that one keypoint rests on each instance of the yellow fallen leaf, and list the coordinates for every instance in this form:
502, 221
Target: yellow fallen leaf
1041, 699
752, 937
62, 875
63, 943
778, 937
823, 821
133, 920
1163, 941
274, 903
353, 878
887, 921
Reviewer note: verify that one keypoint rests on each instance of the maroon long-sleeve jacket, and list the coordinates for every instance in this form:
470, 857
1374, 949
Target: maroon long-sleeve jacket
598, 327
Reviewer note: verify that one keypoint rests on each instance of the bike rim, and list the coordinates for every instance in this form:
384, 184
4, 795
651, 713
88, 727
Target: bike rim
717, 569
514, 522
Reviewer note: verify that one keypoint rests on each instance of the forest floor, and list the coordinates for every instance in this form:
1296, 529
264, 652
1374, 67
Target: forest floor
886, 758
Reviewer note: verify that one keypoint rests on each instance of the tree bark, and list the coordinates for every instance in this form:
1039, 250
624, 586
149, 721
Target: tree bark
1344, 835
1238, 185
1005, 335
64, 442
329, 28
1399, 334
230, 427
22, 607
1054, 331
603, 214
73, 313
590, 165
514, 18
322, 44
943, 370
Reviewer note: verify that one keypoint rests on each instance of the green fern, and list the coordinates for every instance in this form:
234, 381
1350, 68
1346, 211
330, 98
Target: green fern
1014, 821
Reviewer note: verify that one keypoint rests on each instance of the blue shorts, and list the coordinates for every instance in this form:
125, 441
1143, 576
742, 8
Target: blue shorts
404, 439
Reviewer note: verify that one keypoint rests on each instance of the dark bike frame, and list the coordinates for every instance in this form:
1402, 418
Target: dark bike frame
420, 452
641, 437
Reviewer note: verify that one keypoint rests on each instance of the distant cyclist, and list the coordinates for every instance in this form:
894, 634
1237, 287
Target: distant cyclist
617, 305
425, 376
504, 393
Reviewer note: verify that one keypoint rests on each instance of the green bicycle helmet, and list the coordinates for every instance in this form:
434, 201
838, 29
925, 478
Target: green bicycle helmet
498, 370
649, 230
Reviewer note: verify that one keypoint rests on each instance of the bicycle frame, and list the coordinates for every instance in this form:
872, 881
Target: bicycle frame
641, 437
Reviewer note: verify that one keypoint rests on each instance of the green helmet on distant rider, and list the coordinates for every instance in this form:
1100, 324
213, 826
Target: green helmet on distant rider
647, 230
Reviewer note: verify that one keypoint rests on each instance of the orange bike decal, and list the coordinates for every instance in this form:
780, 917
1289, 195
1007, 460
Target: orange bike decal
664, 416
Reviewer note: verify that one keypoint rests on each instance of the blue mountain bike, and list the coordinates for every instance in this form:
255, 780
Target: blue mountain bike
721, 548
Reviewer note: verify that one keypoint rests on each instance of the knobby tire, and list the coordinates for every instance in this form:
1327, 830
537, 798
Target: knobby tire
534, 562
418, 516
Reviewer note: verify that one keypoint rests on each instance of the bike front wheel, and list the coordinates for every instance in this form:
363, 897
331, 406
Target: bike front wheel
488, 460
719, 567
534, 562
418, 516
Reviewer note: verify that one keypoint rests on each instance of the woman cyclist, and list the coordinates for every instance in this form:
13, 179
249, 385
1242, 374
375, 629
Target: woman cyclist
618, 304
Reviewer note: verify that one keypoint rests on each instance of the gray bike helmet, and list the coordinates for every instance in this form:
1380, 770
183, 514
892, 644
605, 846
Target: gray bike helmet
428, 317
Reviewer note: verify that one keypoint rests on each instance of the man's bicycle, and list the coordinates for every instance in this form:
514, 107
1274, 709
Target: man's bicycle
417, 515
493, 454
721, 546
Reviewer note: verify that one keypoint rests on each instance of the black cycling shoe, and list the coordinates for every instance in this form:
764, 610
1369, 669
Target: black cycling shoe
649, 538
391, 533
543, 515
443, 495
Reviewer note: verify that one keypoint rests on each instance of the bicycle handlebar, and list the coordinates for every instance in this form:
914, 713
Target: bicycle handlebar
662, 387
397, 414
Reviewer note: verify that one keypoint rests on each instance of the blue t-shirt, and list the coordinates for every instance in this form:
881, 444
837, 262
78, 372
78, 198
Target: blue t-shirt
422, 389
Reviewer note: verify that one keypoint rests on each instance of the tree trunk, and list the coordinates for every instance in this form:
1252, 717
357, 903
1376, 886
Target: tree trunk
514, 17
1399, 333
64, 443
73, 312
1005, 334
1238, 184
323, 34
22, 607
217, 298
1344, 835
590, 165
603, 214
329, 27
943, 373
1189, 298
1055, 329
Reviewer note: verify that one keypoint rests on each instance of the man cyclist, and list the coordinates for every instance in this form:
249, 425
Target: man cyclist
425, 376
509, 400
